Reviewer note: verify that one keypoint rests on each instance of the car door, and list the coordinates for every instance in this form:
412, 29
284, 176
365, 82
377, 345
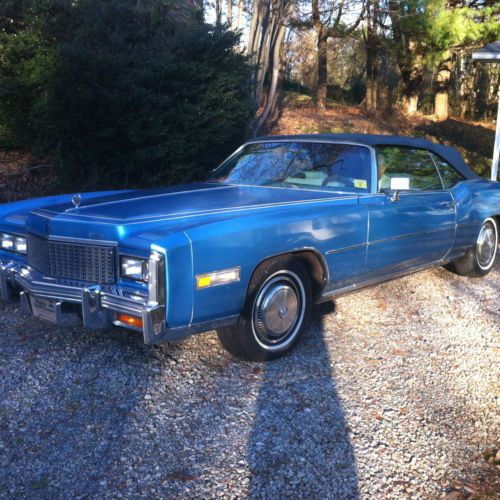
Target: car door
412, 218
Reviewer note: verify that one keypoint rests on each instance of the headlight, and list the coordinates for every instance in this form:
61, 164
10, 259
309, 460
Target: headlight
134, 268
13, 243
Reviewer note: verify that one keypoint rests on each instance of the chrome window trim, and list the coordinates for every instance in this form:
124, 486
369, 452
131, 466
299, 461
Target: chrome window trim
437, 169
463, 178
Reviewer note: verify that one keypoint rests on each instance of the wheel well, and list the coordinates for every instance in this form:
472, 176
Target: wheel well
497, 220
313, 263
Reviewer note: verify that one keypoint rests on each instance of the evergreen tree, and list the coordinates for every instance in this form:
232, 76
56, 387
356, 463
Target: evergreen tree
451, 27
120, 92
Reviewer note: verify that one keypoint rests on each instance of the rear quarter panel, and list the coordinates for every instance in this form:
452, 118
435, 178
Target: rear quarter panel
476, 201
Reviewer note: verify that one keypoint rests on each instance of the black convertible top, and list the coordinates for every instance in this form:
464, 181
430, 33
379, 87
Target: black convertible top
448, 153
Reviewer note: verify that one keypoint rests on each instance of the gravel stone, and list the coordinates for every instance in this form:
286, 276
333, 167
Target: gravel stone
393, 392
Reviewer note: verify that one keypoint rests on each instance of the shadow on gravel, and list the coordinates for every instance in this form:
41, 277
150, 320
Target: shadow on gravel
486, 297
65, 401
299, 445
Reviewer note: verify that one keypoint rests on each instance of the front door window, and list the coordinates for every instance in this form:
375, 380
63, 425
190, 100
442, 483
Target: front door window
407, 168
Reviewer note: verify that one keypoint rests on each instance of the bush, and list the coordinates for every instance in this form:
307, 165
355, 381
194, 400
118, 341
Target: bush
135, 95
26, 62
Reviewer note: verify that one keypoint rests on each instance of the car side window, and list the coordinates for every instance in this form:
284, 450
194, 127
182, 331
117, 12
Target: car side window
406, 169
449, 174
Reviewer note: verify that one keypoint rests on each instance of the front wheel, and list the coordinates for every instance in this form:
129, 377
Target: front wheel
276, 312
479, 260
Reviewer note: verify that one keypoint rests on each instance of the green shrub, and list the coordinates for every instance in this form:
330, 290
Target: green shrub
134, 95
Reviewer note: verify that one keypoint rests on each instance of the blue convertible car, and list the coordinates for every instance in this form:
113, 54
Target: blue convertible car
283, 223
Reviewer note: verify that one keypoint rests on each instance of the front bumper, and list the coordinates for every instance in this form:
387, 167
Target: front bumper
93, 306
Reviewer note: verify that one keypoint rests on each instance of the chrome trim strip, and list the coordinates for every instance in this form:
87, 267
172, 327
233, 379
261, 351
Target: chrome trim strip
374, 171
368, 231
121, 304
156, 279
315, 140
315, 251
192, 271
47, 290
346, 249
329, 191
84, 241
437, 169
6, 274
376, 242
408, 235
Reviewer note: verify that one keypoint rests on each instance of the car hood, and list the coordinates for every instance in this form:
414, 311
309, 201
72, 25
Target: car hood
132, 207
139, 218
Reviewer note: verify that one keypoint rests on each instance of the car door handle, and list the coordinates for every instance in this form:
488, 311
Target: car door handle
447, 204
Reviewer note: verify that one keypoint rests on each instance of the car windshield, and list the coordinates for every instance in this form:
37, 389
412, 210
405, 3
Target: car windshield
305, 165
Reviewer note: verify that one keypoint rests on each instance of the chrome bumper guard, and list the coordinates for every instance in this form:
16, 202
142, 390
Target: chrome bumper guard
93, 306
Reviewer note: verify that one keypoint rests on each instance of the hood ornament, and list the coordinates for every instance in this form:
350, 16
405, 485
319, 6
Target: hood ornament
76, 200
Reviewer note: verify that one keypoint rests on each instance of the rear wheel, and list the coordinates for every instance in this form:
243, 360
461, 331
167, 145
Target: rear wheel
479, 260
276, 312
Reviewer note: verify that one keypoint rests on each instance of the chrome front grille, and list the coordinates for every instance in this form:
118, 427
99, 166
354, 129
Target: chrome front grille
73, 261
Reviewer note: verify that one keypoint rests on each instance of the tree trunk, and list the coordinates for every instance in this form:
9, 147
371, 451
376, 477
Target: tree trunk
409, 54
322, 83
371, 97
276, 71
412, 74
410, 103
371, 45
239, 17
229, 12
265, 50
218, 12
442, 89
255, 29
269, 35
322, 62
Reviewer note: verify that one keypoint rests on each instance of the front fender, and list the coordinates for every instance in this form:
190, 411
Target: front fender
178, 253
246, 241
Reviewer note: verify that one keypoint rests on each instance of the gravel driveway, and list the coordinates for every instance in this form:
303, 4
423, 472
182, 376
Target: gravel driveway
393, 392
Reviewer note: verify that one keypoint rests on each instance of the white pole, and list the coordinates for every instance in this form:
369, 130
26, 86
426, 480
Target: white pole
496, 148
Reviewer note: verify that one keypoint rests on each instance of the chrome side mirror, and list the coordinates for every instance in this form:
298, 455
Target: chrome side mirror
395, 197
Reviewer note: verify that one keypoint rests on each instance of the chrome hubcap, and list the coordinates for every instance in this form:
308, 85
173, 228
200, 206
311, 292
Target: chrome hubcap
277, 311
486, 245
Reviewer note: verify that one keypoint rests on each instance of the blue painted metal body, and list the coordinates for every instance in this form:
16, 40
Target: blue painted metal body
205, 227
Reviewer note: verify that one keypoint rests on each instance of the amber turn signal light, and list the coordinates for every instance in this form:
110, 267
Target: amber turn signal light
127, 319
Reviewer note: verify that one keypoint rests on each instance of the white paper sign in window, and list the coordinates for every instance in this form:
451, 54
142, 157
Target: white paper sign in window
400, 183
